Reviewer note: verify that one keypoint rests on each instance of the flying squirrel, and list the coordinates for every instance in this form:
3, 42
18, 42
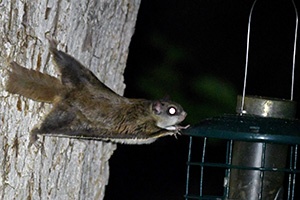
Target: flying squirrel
85, 108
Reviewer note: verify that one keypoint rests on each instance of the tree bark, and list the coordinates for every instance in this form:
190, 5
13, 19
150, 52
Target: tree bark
97, 33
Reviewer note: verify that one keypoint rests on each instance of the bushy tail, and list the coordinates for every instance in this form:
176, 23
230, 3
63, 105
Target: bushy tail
33, 84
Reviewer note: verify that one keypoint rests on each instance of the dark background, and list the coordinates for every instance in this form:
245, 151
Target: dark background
194, 51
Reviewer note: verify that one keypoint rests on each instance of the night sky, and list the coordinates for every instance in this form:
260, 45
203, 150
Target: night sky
192, 41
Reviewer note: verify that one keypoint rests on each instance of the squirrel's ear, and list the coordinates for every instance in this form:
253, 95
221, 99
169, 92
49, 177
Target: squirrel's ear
157, 107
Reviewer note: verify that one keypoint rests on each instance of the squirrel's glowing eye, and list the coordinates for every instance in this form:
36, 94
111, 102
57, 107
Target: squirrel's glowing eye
172, 111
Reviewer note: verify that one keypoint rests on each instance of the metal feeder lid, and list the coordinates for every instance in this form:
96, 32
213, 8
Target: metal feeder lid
258, 126
266, 107
248, 128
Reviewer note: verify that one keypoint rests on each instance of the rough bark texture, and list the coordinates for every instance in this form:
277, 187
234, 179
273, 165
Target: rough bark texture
97, 33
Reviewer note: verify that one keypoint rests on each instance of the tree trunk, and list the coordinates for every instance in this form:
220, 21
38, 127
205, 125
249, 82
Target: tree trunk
97, 33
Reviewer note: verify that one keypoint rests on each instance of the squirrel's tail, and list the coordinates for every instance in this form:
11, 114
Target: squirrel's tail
33, 84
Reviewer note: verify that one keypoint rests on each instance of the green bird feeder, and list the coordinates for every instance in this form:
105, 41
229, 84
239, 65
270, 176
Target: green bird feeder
257, 149
260, 159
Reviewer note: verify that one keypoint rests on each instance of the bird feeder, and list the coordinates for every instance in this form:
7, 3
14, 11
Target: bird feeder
258, 149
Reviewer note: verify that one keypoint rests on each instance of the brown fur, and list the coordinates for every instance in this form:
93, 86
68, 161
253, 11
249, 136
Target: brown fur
33, 84
85, 108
